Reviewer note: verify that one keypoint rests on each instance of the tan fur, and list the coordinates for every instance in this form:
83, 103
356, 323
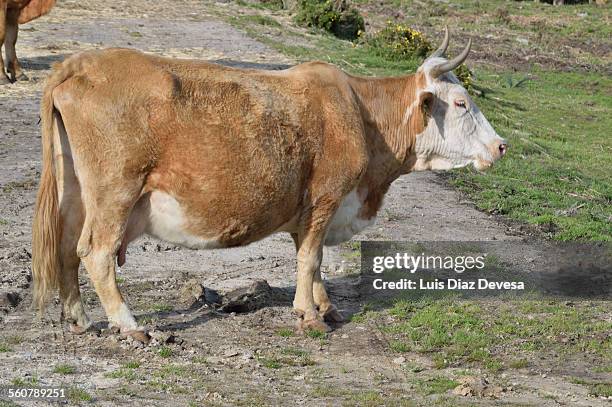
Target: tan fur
244, 152
33, 9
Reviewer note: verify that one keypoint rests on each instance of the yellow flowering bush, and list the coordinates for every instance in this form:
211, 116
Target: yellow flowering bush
398, 41
464, 74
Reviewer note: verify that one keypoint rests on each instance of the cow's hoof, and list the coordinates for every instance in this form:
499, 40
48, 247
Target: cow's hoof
78, 329
332, 315
138, 335
4, 80
312, 325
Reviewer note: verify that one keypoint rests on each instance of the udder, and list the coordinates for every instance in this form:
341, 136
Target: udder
160, 215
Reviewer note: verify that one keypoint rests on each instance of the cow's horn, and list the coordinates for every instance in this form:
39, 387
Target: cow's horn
453, 63
442, 49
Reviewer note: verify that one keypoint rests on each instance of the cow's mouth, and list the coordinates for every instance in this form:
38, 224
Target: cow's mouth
482, 165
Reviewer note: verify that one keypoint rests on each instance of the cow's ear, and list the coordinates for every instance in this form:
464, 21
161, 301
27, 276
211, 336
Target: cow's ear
426, 99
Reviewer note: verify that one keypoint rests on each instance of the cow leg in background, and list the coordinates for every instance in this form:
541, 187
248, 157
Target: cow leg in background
3, 10
72, 217
12, 63
327, 310
309, 256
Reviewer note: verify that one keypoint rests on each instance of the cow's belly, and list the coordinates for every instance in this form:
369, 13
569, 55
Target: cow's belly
165, 219
346, 222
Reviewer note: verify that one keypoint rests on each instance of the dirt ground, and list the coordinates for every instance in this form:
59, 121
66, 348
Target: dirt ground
201, 356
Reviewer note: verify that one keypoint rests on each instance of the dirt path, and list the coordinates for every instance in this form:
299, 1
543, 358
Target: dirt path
211, 358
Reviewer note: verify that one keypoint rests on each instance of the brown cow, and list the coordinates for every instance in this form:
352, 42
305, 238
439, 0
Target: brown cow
13, 13
207, 156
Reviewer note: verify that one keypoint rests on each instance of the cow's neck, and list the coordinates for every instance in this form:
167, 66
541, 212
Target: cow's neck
383, 103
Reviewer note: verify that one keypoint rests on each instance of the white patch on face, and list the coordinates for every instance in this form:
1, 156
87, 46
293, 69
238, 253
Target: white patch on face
168, 222
346, 223
455, 136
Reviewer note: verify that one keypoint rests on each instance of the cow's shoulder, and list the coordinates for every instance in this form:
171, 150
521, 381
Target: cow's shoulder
320, 73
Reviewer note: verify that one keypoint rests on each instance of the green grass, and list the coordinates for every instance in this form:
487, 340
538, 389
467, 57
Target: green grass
601, 389
4, 347
285, 332
161, 307
30, 381
558, 172
64, 369
468, 333
256, 19
127, 371
435, 385
314, 334
77, 395
164, 352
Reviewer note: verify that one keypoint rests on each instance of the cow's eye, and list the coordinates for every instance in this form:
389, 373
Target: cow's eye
460, 103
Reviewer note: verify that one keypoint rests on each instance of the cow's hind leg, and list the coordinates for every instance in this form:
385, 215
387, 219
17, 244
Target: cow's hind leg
3, 11
103, 232
12, 29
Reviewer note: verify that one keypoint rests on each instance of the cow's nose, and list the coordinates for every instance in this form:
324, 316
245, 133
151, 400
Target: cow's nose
503, 147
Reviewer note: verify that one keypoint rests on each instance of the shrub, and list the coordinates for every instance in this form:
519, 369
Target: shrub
397, 41
337, 17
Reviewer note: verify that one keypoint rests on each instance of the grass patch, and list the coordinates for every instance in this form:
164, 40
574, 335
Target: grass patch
558, 173
4, 347
64, 369
258, 19
435, 385
165, 352
161, 307
270, 363
77, 395
601, 389
519, 364
457, 332
314, 334
285, 332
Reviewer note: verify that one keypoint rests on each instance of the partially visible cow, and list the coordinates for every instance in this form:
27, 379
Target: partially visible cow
13, 13
207, 156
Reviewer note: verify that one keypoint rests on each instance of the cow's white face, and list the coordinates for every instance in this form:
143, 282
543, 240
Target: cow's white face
457, 133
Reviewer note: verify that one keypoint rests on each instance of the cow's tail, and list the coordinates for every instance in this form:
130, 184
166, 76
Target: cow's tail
47, 226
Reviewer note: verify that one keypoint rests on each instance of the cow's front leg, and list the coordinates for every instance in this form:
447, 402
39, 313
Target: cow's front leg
326, 309
3, 10
12, 63
309, 256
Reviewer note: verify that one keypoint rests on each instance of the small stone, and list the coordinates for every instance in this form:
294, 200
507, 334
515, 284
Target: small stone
9, 298
299, 378
399, 360
231, 353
